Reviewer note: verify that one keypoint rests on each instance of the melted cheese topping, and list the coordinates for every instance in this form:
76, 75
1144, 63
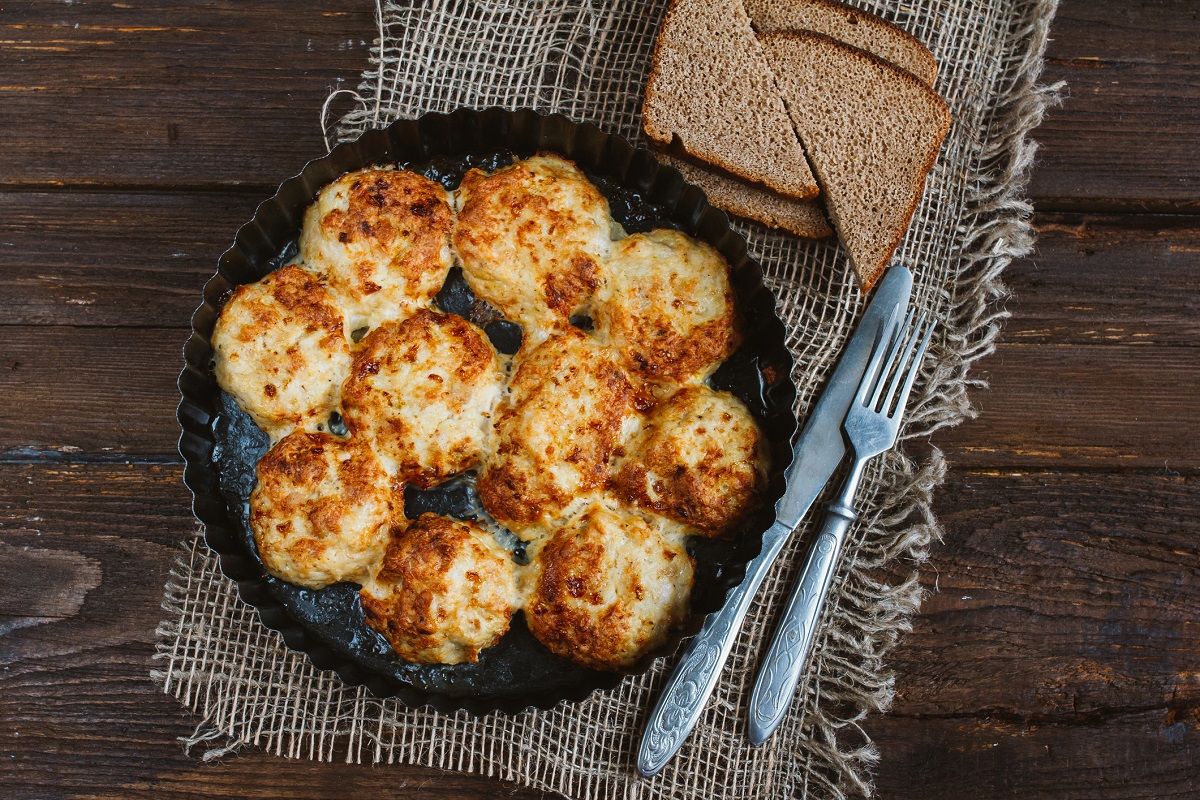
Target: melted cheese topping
321, 510
605, 494
568, 407
668, 306
445, 591
422, 392
700, 459
533, 237
381, 237
281, 351
607, 587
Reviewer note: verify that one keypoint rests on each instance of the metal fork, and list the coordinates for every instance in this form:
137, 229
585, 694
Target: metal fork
872, 425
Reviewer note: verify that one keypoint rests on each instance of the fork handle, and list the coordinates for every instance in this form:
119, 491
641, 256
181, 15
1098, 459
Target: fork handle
790, 650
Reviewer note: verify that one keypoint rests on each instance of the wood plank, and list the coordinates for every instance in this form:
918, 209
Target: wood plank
1104, 279
99, 391
1078, 635
1124, 139
126, 259
1057, 595
1139, 756
1066, 407
101, 258
111, 391
157, 95
172, 94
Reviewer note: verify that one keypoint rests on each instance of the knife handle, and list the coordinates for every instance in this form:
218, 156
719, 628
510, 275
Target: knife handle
687, 690
790, 650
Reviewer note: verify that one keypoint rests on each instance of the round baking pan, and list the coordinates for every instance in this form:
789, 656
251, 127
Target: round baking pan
221, 446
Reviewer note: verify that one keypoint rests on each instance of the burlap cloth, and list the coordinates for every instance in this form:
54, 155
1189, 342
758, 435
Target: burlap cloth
589, 60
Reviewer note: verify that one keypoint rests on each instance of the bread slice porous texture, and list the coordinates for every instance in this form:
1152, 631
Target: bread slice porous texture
710, 88
848, 25
803, 218
872, 132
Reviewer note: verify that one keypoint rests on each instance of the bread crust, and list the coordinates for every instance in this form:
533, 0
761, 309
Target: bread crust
923, 65
799, 187
869, 272
752, 201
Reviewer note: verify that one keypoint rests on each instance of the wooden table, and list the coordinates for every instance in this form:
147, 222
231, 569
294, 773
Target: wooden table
1058, 654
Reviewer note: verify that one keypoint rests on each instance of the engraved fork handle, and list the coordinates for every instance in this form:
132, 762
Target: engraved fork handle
792, 646
687, 690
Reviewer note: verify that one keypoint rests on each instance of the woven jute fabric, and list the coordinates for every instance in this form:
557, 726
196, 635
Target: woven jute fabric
589, 59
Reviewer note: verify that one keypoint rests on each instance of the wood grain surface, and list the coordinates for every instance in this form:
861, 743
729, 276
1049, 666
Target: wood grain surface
1055, 655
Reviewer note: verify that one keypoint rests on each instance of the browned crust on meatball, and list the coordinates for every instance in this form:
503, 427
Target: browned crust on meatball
515, 486
660, 354
566, 282
289, 491
366, 406
416, 566
579, 612
713, 495
299, 302
388, 208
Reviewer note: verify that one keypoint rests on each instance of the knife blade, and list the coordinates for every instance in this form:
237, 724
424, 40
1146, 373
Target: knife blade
816, 454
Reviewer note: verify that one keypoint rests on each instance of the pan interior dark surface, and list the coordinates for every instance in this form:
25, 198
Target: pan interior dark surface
222, 445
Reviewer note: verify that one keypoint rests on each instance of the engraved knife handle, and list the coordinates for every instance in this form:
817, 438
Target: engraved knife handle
687, 690
790, 650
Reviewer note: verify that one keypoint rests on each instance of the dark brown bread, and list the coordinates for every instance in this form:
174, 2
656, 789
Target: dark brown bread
848, 25
801, 217
872, 132
710, 88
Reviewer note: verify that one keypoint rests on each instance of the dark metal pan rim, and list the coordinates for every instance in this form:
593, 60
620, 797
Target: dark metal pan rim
405, 141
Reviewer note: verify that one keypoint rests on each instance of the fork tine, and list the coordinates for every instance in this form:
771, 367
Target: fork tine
871, 376
912, 333
891, 361
915, 366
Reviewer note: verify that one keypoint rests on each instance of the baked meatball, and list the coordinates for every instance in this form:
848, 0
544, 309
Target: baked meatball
321, 510
445, 591
532, 237
382, 238
607, 587
422, 392
281, 350
668, 307
700, 459
567, 411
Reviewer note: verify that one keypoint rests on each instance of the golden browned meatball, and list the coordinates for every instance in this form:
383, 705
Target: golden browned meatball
382, 238
321, 510
281, 350
700, 459
422, 392
607, 587
668, 306
445, 591
532, 237
568, 407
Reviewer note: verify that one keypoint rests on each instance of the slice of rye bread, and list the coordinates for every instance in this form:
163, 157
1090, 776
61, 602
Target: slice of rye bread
711, 88
848, 25
801, 217
872, 132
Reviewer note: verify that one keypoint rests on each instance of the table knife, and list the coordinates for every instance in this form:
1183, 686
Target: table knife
816, 454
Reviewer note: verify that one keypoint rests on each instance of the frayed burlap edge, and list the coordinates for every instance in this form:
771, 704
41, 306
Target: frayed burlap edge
872, 613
